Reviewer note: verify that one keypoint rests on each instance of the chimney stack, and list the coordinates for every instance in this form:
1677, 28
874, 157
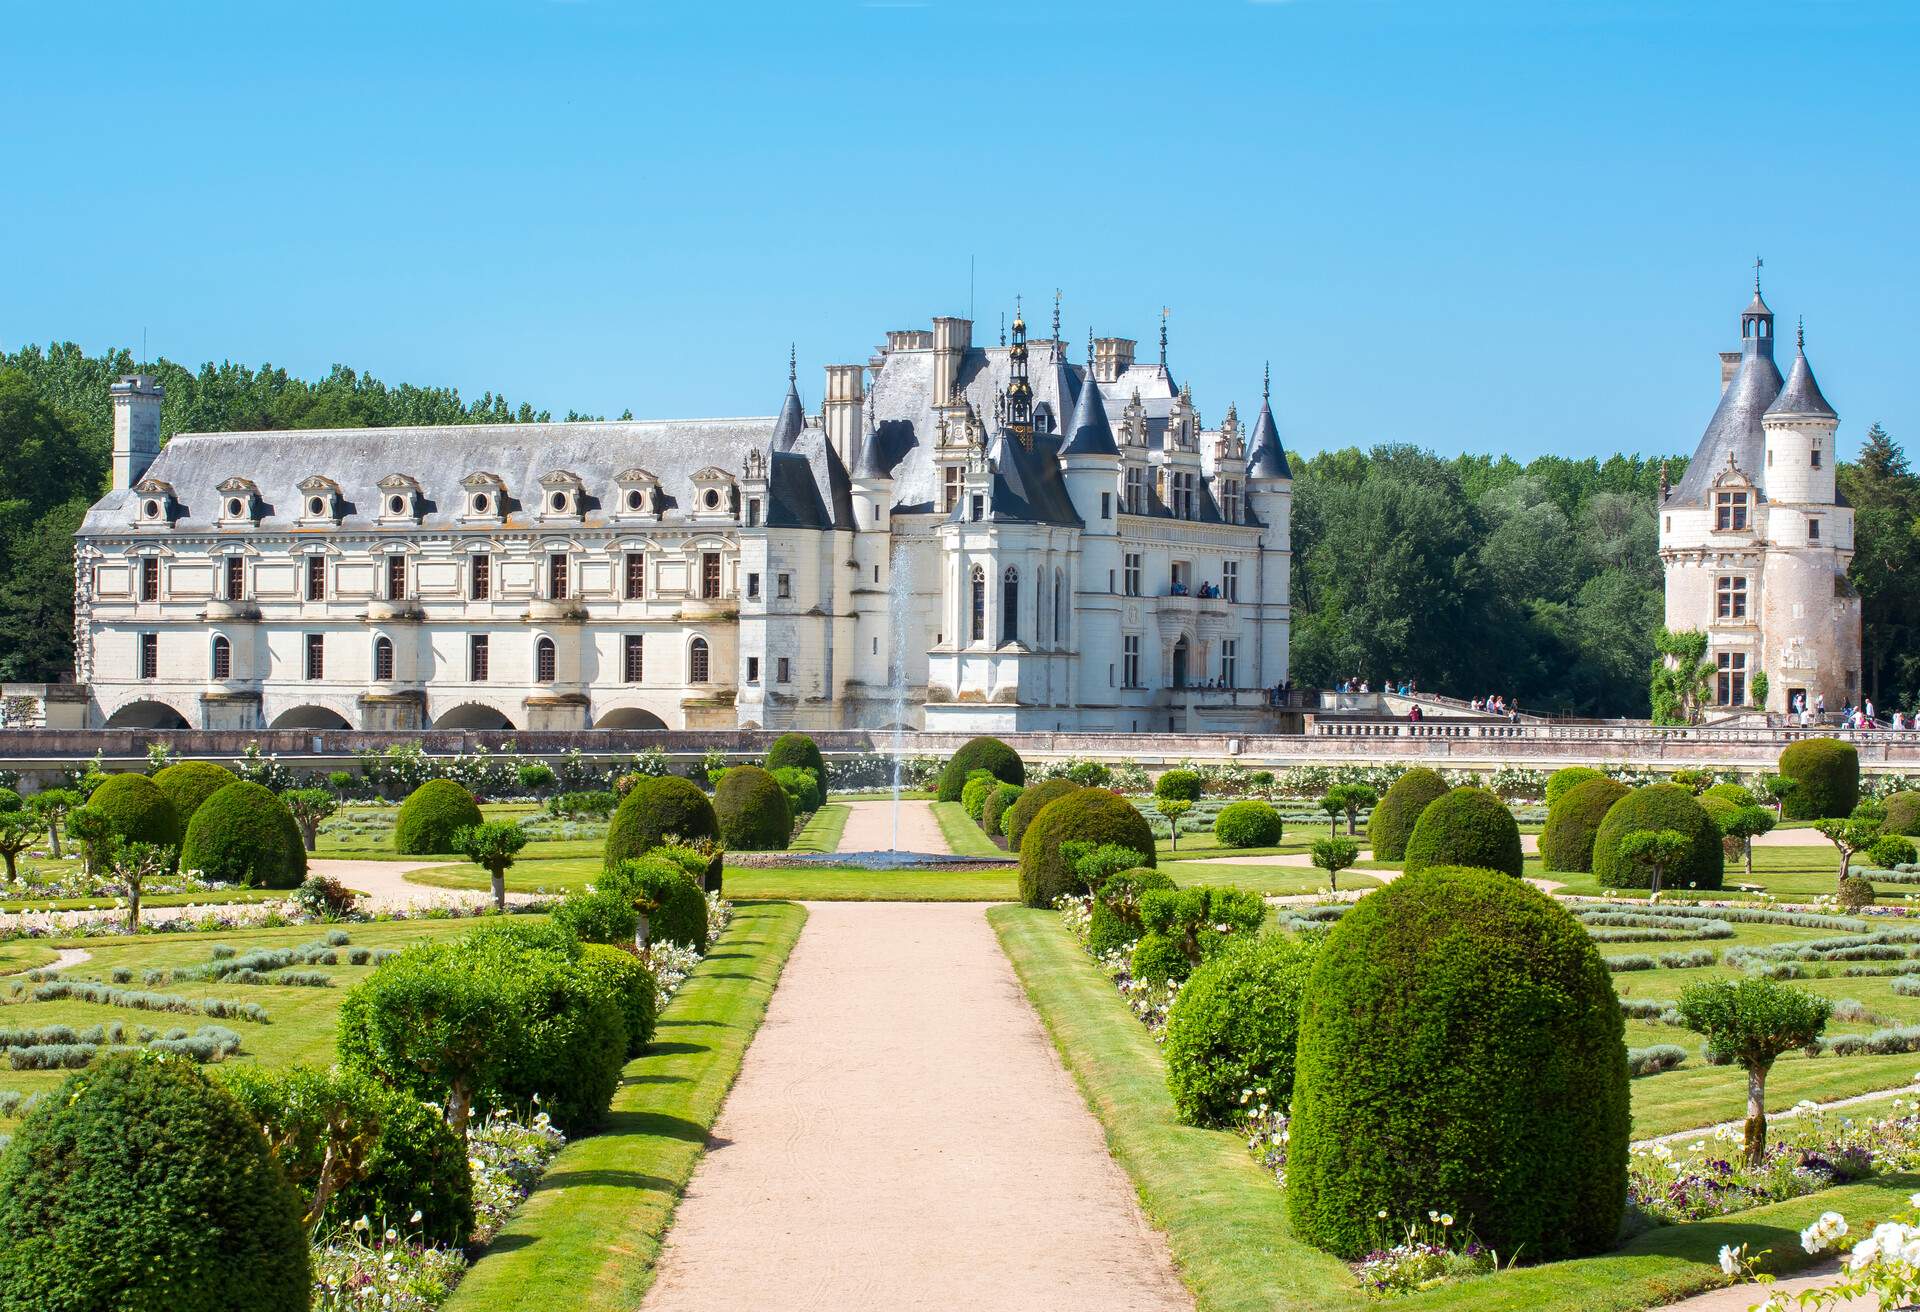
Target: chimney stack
136, 427
846, 390
951, 338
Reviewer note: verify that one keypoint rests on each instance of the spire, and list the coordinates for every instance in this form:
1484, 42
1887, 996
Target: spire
1756, 321
793, 373
1088, 432
1266, 458
1056, 314
793, 417
1019, 390
1163, 337
1801, 395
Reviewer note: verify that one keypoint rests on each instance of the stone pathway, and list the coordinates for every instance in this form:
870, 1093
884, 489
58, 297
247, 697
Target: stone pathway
386, 884
903, 1136
870, 828
1740, 1298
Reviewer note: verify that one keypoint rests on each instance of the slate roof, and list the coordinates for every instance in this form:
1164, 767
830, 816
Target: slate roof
1088, 433
1266, 457
1735, 426
1801, 395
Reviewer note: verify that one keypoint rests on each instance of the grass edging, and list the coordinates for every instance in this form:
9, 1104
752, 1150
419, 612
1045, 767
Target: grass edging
588, 1236
822, 831
963, 835
1225, 1220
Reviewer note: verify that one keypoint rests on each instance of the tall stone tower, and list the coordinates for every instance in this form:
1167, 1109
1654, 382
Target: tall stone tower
1756, 540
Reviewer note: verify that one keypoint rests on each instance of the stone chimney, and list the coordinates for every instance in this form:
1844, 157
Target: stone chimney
845, 391
1729, 363
951, 338
1112, 356
136, 427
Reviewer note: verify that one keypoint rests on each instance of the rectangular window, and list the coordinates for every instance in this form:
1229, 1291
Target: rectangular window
477, 658
949, 489
636, 576
1132, 562
710, 575
149, 578
753, 512
1230, 500
222, 659
149, 655
1813, 530
236, 578
1731, 679
396, 578
1730, 511
1816, 457
979, 506
316, 578
1130, 660
1731, 593
480, 577
634, 659
784, 582
1230, 580
753, 669
783, 670
1136, 488
753, 586
316, 656
557, 576
1106, 505
1229, 662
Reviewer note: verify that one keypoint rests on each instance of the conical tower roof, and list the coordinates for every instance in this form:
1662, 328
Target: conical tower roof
1088, 432
1266, 457
793, 417
1801, 395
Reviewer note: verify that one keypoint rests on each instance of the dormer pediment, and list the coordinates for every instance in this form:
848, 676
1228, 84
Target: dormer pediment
562, 495
320, 501
239, 501
715, 494
638, 493
484, 496
400, 499
154, 503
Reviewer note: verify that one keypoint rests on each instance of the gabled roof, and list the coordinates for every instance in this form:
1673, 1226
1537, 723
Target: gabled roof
1266, 458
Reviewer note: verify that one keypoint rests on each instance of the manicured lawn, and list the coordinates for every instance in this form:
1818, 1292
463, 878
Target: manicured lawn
1271, 881
152, 900
17, 955
587, 1238
845, 884
822, 830
1198, 847
964, 836
1225, 1218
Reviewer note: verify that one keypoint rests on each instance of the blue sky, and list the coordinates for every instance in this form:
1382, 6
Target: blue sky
1519, 227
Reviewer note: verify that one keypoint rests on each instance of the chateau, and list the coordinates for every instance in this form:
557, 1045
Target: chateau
965, 537
1756, 539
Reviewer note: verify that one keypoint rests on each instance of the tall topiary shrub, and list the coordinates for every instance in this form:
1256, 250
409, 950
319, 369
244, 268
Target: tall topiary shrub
799, 751
1566, 844
994, 809
1233, 1026
1654, 808
655, 807
1566, 779
431, 815
1903, 815
1248, 824
1826, 778
138, 811
1034, 796
973, 794
243, 834
1086, 815
1466, 827
140, 1184
1460, 1050
988, 754
1392, 821
189, 783
752, 810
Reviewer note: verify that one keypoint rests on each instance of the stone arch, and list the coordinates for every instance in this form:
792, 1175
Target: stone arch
310, 717
147, 713
629, 717
473, 715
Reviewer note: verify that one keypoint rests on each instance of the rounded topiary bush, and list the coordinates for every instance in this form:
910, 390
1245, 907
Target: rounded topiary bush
1233, 1026
1248, 824
989, 754
1903, 815
189, 783
655, 807
10, 801
140, 1184
1086, 815
1034, 796
1566, 779
753, 811
974, 793
137, 809
243, 834
1392, 821
1855, 891
802, 788
1114, 919
1179, 785
1657, 807
1460, 1050
1736, 795
799, 751
1566, 844
679, 908
1826, 779
1890, 850
1466, 827
430, 815
601, 916
993, 811
630, 985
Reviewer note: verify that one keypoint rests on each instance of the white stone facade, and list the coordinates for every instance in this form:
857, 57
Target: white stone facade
804, 571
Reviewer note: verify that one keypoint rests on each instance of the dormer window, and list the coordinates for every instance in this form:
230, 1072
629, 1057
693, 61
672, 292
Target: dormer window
715, 495
636, 494
561, 495
154, 503
1730, 512
239, 503
400, 500
320, 501
485, 497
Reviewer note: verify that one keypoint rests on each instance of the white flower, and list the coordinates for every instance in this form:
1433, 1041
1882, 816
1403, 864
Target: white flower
1446, 1218
1864, 1253
362, 1226
1382, 1214
1730, 1259
1433, 1216
415, 1218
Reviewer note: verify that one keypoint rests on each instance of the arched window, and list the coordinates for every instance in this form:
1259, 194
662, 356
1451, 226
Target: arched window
697, 661
1010, 605
979, 604
222, 658
1060, 608
382, 659
543, 663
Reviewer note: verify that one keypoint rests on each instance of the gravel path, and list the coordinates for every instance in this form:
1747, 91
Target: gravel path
1742, 1297
903, 1136
386, 885
870, 828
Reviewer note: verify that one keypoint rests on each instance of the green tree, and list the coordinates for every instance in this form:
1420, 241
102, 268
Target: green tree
1334, 803
19, 830
1334, 855
492, 846
1682, 677
95, 832
132, 865
1750, 1023
1848, 837
1172, 808
1774, 790
1656, 851
1355, 798
53, 805
310, 808
1745, 824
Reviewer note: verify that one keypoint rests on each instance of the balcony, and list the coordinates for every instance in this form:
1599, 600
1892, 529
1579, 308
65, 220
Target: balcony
556, 610
223, 608
397, 609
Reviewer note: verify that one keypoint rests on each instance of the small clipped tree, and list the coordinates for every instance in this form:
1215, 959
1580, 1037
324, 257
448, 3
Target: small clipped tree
1392, 821
1251, 823
1848, 838
1750, 1023
430, 817
310, 808
1172, 808
19, 830
1656, 851
132, 865
1334, 855
492, 845
1185, 785
94, 831
535, 777
671, 907
1354, 799
1334, 803
1746, 824
1774, 789
53, 806
141, 1184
